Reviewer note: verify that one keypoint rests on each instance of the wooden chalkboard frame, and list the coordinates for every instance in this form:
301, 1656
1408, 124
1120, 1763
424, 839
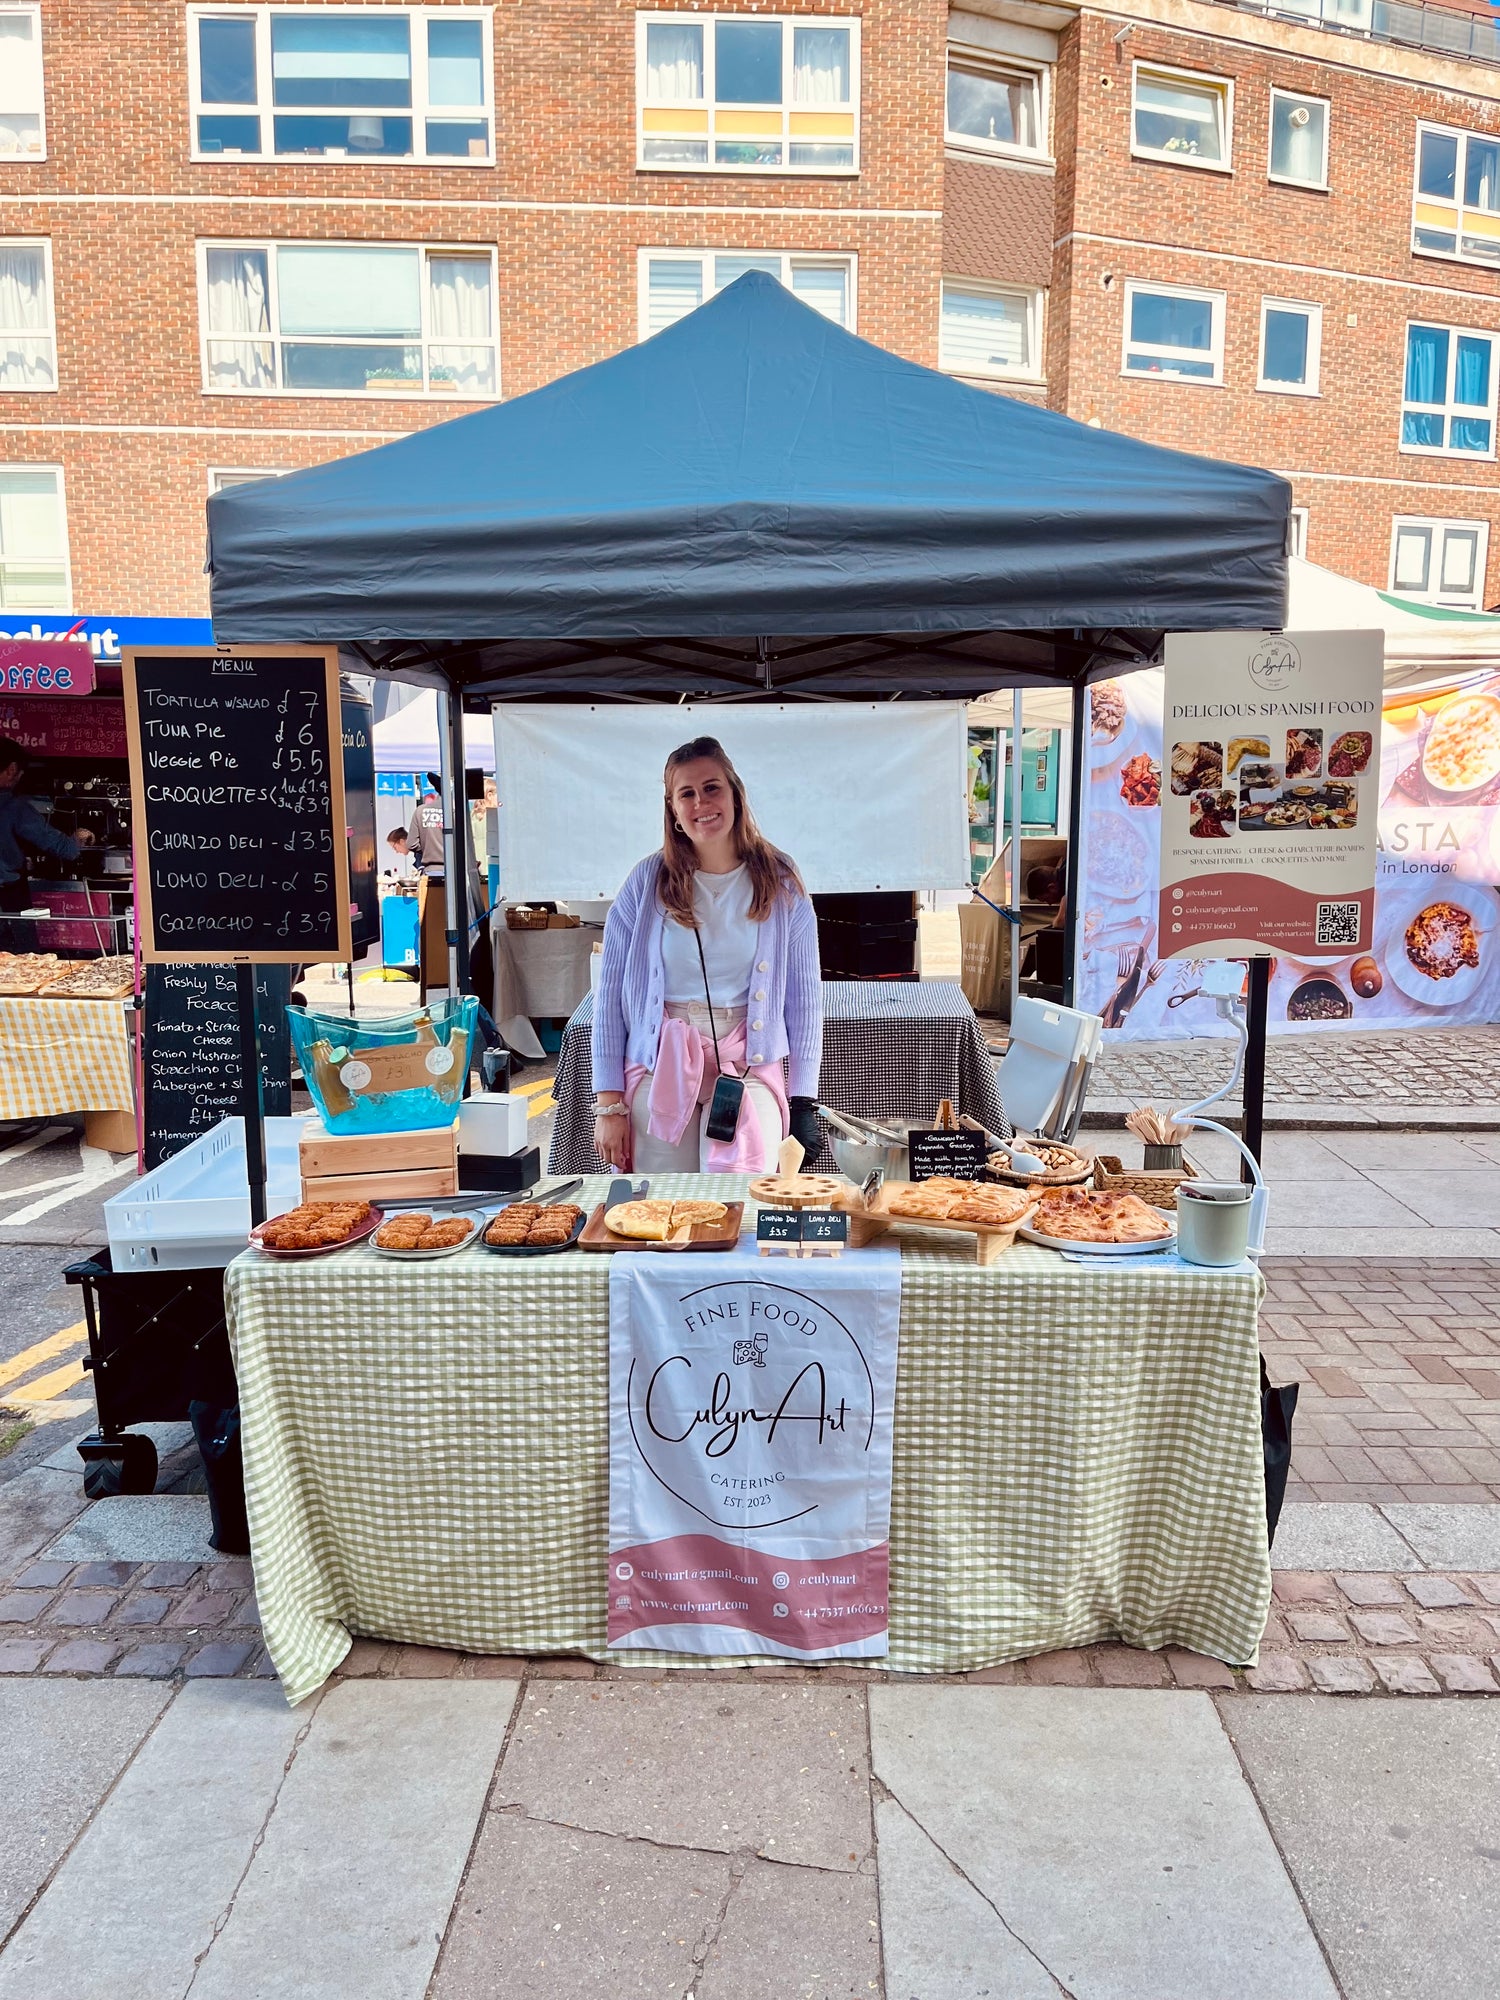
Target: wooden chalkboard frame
151, 952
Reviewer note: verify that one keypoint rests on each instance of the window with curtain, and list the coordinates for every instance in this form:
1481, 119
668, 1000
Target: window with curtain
1174, 332
33, 540
1291, 340
28, 357
747, 93
1456, 201
342, 83
673, 282
1181, 118
342, 319
1448, 404
994, 107
1299, 140
989, 330
22, 132
1440, 562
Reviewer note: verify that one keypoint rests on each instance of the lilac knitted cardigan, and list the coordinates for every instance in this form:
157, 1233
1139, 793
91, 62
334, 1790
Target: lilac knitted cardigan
785, 1016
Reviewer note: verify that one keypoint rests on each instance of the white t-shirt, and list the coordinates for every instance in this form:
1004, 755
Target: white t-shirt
722, 906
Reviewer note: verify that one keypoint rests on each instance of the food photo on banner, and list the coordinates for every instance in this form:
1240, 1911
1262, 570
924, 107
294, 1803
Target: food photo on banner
750, 1459
1429, 767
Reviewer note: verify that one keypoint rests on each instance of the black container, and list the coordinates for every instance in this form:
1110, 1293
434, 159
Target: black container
500, 1173
867, 951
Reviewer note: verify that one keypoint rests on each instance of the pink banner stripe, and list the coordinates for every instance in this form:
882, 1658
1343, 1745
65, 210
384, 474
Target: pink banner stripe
700, 1580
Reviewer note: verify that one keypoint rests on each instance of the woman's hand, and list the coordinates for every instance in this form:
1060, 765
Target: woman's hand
612, 1136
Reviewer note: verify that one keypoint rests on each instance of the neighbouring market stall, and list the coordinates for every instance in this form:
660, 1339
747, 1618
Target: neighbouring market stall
754, 506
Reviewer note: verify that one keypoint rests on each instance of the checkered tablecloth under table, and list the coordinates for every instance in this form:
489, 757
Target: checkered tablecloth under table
58, 1056
891, 1049
1077, 1454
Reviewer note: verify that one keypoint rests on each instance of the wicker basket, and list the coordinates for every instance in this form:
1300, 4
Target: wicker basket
519, 918
1073, 1176
1159, 1187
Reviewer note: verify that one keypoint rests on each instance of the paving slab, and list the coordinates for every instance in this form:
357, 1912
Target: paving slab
1319, 1203
1112, 1829
1339, 1535
1410, 1152
796, 1934
62, 1745
34, 1507
139, 1898
780, 1769
1457, 1537
941, 1939
1313, 1246
1385, 1813
579, 1916
140, 1527
1455, 1198
352, 1887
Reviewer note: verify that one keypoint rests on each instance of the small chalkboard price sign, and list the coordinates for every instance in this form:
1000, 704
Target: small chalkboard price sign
962, 1154
801, 1232
237, 784
778, 1228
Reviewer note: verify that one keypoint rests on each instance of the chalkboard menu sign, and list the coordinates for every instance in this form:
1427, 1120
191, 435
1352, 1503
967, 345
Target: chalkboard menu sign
962, 1154
190, 1051
237, 784
359, 808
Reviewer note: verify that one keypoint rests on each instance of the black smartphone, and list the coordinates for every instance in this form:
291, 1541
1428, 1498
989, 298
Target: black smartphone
724, 1107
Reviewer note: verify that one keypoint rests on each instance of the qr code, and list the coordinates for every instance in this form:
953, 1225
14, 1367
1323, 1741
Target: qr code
1338, 923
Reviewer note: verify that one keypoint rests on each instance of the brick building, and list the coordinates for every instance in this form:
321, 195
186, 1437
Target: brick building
239, 239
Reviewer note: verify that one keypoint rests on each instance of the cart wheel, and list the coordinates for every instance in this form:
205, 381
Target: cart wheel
137, 1465
102, 1478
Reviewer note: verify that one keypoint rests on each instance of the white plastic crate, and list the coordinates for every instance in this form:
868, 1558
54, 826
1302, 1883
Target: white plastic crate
193, 1211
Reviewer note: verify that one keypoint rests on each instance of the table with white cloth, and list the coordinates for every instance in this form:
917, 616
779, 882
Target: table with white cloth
58, 1056
891, 1049
1077, 1453
539, 976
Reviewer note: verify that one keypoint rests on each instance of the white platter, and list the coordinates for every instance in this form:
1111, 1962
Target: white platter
475, 1222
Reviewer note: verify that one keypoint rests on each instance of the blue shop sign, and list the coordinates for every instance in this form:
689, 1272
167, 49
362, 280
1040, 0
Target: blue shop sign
108, 635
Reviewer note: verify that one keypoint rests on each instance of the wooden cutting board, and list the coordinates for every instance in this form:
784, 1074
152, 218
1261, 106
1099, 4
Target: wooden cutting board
702, 1235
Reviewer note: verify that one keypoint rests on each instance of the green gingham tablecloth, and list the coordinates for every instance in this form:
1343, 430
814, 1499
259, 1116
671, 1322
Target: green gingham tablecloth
1077, 1454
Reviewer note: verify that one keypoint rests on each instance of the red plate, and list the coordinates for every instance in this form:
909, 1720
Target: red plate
366, 1228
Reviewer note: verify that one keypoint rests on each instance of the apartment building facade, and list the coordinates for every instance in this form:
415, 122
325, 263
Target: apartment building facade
237, 240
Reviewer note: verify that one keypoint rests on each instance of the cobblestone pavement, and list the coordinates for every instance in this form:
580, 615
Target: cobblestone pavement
1440, 1066
1400, 1367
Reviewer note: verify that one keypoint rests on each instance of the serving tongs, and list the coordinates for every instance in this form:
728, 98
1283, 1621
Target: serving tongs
486, 1197
889, 1133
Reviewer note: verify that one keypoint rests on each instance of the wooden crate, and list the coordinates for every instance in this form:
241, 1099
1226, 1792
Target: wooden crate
378, 1166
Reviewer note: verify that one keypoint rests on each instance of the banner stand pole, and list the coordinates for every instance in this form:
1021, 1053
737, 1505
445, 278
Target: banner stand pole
252, 1094
1253, 1091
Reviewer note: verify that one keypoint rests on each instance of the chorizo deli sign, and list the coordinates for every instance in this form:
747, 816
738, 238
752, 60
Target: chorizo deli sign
750, 1460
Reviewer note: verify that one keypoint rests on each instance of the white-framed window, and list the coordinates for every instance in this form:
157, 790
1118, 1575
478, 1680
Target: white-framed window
1448, 405
1180, 116
28, 335
1299, 139
990, 330
23, 118
1291, 347
1440, 562
33, 540
748, 93
1174, 332
221, 478
348, 319
1296, 531
675, 282
342, 83
995, 106
1456, 204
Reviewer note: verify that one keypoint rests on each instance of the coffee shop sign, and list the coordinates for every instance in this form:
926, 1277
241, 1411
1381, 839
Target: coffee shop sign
46, 666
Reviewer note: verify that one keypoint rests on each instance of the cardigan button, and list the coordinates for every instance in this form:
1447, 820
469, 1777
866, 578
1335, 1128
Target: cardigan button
760, 995
757, 1026
764, 966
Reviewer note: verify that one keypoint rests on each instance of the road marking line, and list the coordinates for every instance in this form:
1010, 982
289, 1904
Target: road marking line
531, 1089
37, 1140
540, 1110
33, 1357
45, 1387
89, 1180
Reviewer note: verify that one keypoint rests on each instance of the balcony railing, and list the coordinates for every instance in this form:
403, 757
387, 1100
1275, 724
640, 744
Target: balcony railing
1444, 31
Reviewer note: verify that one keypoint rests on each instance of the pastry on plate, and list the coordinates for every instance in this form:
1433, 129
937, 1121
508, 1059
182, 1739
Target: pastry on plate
645, 1221
923, 1203
697, 1211
1076, 1215
445, 1234
996, 1207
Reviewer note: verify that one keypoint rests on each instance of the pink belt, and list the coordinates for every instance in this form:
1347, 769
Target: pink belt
684, 1080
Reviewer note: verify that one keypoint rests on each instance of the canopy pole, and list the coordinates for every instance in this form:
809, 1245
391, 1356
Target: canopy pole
450, 823
1074, 925
460, 909
1015, 851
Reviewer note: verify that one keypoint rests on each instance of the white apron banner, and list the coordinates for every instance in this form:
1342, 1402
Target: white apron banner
750, 1452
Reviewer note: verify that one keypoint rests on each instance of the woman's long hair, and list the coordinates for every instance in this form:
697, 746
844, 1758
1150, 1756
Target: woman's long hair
770, 870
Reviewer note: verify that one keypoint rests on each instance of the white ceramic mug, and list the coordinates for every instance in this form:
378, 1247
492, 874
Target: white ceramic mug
1213, 1222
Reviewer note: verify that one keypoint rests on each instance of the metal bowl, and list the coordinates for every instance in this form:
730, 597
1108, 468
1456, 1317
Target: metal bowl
858, 1158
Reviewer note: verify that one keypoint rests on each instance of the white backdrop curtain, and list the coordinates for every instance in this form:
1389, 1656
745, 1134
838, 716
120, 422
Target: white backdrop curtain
239, 302
26, 358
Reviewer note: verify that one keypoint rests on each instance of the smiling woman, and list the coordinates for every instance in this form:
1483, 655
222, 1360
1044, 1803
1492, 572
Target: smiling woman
709, 983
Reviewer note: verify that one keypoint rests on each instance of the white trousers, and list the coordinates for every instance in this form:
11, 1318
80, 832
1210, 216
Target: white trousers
690, 1154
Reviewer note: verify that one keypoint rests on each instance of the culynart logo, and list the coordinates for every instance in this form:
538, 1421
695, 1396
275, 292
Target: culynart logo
1274, 665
